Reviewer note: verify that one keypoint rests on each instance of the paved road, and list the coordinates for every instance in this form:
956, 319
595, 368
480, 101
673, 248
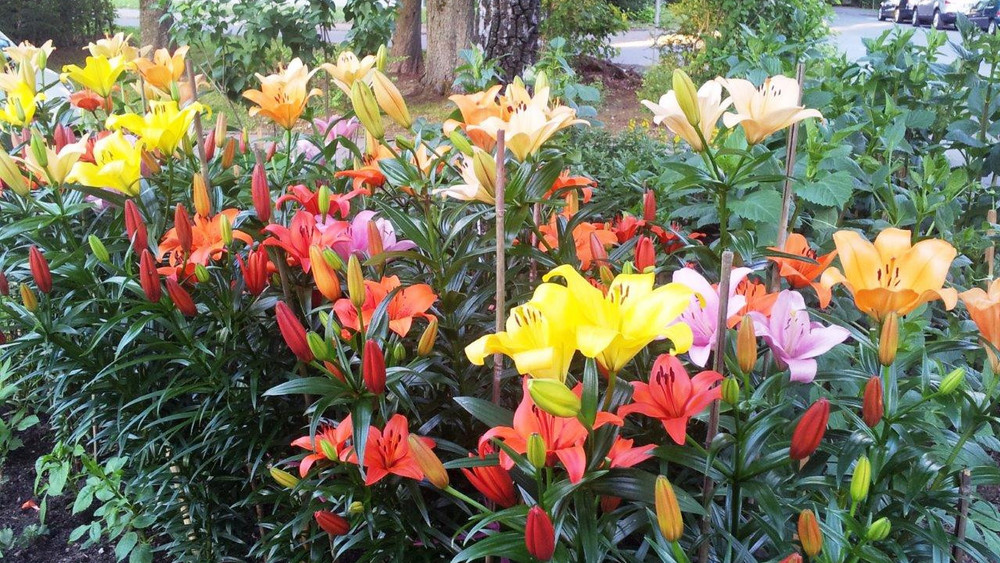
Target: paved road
850, 25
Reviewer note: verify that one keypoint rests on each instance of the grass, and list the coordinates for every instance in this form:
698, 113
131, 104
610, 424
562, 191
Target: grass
132, 4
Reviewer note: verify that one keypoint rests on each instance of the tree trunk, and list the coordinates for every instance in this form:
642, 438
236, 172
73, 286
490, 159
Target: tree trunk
153, 27
510, 34
449, 30
406, 44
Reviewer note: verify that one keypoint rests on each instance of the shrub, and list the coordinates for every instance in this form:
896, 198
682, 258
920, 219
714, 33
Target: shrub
585, 26
65, 22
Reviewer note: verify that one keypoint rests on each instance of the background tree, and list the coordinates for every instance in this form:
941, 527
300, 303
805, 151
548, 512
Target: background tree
509, 33
154, 29
449, 30
407, 48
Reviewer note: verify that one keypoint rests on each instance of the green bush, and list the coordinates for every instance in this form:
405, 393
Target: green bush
587, 25
65, 22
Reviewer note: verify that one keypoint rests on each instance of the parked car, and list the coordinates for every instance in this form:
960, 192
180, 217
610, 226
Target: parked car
939, 13
984, 14
898, 11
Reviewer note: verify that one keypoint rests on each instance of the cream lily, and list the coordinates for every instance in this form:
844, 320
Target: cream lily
480, 176
349, 69
710, 105
761, 112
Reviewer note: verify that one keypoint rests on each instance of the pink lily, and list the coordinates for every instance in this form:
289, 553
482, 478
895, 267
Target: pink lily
794, 340
703, 316
358, 237
330, 128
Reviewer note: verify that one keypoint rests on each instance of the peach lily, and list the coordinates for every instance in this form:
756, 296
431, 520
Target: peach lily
283, 96
711, 106
765, 110
800, 273
984, 308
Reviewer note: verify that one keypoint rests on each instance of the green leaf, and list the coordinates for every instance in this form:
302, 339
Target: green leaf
83, 500
762, 206
486, 412
832, 190
125, 545
141, 554
507, 544
304, 386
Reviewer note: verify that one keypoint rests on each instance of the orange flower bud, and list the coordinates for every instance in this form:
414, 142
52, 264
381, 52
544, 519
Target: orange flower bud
645, 254
182, 226
373, 367
810, 430
429, 462
746, 345
254, 270
426, 343
135, 227
793, 558
181, 298
325, 277
149, 278
374, 239
809, 534
199, 195
597, 250
872, 408
209, 145
355, 281
888, 340
40, 269
28, 298
260, 192
331, 523
220, 129
539, 535
293, 332
150, 166
649, 206
228, 153
668, 512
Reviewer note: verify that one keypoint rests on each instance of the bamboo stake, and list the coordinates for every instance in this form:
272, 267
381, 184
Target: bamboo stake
991, 252
719, 365
786, 196
962, 519
501, 236
199, 132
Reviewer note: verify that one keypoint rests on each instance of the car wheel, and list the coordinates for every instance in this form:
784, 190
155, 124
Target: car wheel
897, 16
991, 28
936, 21
915, 19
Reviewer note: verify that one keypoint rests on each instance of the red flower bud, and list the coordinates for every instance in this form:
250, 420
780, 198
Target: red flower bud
260, 192
181, 298
40, 270
209, 145
331, 523
182, 226
135, 227
4, 285
293, 332
373, 367
597, 250
872, 408
63, 136
149, 278
254, 271
645, 255
793, 558
272, 147
810, 430
649, 206
539, 535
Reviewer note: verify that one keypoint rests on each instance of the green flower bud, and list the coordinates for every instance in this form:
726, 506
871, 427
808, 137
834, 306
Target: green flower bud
100, 251
201, 273
283, 478
687, 97
226, 230
879, 530
553, 397
536, 450
861, 479
357, 507
317, 345
952, 381
730, 390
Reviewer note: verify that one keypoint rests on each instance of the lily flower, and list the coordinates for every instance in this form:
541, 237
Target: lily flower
349, 69
702, 313
388, 452
117, 45
761, 112
582, 234
563, 437
207, 244
299, 236
366, 174
799, 273
165, 69
98, 74
309, 200
283, 96
358, 232
891, 276
58, 164
19, 106
408, 303
493, 481
711, 106
672, 396
328, 440
566, 186
116, 165
527, 129
984, 308
757, 299
479, 175
329, 129
613, 328
163, 127
793, 338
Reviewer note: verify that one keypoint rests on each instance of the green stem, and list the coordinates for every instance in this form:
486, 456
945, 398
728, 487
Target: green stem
612, 379
463, 497
679, 554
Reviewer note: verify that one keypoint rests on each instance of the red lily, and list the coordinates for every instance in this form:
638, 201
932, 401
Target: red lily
565, 181
255, 269
799, 273
309, 200
388, 451
672, 396
302, 234
333, 440
406, 304
205, 239
623, 455
493, 481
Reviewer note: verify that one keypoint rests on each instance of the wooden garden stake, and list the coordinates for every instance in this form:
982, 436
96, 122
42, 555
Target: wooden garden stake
501, 236
786, 196
719, 364
991, 252
199, 132
963, 514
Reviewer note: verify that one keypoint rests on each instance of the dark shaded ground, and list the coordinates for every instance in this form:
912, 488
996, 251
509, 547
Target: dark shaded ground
17, 480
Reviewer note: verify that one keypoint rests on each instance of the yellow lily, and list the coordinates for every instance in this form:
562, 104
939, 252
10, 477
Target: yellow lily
116, 165
19, 107
117, 45
98, 74
710, 104
164, 70
763, 111
58, 165
349, 69
26, 54
537, 338
891, 276
615, 327
479, 173
282, 97
162, 128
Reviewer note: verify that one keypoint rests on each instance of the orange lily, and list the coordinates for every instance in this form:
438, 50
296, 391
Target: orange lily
758, 299
206, 240
407, 304
366, 174
388, 451
332, 440
891, 275
984, 308
283, 96
799, 273
565, 181
165, 69
581, 238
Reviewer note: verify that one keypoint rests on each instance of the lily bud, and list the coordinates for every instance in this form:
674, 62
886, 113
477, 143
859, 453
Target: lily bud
668, 511
4, 285
373, 367
97, 247
149, 278
28, 298
952, 381
793, 558
40, 269
317, 346
730, 390
398, 353
649, 206
536, 450
888, 341
390, 100
553, 397
225, 230
429, 462
460, 143
872, 408
269, 151
331, 523
260, 192
150, 166
427, 338
135, 227
355, 281
37, 146
323, 200
645, 254
63, 136
182, 227
809, 534
541, 81
220, 129
283, 478
209, 145
879, 530
11, 174
333, 259
381, 58
228, 153
293, 332
199, 195
374, 239
366, 108
687, 97
861, 480
328, 449
181, 298
540, 535
201, 273
746, 345
325, 277
607, 278
357, 507
810, 430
